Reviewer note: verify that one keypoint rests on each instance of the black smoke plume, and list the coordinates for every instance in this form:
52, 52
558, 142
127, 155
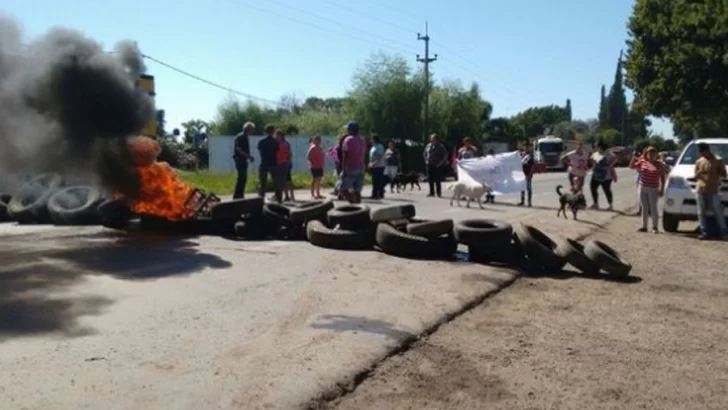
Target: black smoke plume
68, 106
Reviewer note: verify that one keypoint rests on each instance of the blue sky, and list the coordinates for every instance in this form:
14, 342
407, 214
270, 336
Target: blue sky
522, 52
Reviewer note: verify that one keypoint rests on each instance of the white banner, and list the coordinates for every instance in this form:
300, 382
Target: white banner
502, 172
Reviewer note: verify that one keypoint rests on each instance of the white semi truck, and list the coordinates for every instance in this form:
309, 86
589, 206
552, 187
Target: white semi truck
548, 151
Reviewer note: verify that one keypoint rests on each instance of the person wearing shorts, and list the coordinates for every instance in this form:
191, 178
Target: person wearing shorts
284, 161
316, 162
352, 163
578, 163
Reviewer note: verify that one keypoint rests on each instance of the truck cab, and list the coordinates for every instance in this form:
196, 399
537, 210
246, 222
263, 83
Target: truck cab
680, 204
548, 151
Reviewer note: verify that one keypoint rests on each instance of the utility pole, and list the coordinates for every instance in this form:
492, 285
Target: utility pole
426, 61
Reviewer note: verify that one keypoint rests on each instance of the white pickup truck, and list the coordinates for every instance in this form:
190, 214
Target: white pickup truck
680, 204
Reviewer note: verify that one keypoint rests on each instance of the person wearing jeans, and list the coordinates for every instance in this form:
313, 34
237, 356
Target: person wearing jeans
242, 157
376, 167
652, 185
268, 149
602, 162
709, 173
527, 162
435, 158
353, 151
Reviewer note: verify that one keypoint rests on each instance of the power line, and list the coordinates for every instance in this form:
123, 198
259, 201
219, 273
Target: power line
211, 83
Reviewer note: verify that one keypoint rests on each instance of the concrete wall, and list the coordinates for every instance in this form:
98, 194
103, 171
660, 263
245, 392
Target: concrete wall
221, 153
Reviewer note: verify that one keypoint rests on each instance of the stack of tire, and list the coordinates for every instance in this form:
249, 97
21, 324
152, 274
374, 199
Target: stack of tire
547, 255
45, 199
392, 229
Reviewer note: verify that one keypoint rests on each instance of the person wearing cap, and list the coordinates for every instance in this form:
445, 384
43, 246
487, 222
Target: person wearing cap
353, 164
709, 174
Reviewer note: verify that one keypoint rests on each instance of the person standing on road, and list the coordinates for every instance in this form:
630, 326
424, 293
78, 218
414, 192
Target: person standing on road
527, 162
268, 149
652, 185
468, 150
709, 173
391, 165
602, 164
242, 157
376, 167
353, 151
284, 161
435, 155
316, 162
577, 162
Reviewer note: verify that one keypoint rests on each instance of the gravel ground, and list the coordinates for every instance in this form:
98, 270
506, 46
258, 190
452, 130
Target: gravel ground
658, 341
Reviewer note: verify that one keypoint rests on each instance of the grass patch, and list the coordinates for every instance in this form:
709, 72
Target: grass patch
224, 184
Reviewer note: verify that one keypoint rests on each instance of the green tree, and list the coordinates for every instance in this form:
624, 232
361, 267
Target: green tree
191, 128
388, 97
535, 120
616, 103
677, 63
603, 108
610, 136
568, 109
456, 112
232, 114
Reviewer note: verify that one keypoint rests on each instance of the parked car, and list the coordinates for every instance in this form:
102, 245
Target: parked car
680, 204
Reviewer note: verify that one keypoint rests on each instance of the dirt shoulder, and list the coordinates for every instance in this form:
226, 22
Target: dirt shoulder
575, 343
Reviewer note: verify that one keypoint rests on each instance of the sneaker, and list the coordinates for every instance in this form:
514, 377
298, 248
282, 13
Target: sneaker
655, 230
594, 206
609, 208
642, 230
529, 205
430, 195
521, 203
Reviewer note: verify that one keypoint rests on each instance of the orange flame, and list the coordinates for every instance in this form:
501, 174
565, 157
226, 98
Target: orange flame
162, 194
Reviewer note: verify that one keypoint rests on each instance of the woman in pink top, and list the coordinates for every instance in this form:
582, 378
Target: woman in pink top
316, 165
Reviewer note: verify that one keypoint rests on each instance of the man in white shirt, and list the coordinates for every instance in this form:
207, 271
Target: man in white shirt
578, 163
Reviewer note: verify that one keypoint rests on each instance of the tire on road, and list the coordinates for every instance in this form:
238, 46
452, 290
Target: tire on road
114, 213
509, 254
539, 248
277, 214
670, 222
320, 235
394, 212
350, 217
394, 242
75, 205
310, 211
483, 232
573, 252
232, 210
255, 229
430, 229
607, 259
30, 203
4, 199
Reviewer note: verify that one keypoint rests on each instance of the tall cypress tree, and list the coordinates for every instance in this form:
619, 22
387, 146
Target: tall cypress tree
568, 109
603, 108
616, 113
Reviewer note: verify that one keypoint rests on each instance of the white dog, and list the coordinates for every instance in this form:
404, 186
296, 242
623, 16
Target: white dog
473, 192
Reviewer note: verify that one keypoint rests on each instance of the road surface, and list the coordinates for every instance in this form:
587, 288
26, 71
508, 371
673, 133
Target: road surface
92, 318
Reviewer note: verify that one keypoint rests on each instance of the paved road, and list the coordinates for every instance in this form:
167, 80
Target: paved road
91, 318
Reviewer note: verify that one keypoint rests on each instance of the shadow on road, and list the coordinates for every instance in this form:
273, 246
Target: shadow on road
27, 306
345, 323
531, 272
38, 277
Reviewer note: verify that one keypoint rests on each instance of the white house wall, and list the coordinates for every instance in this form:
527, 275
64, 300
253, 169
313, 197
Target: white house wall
221, 153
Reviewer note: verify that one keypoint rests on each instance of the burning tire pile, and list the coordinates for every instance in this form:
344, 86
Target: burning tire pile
394, 230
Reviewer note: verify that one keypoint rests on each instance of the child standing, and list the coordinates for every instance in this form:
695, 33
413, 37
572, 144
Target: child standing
284, 159
316, 163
